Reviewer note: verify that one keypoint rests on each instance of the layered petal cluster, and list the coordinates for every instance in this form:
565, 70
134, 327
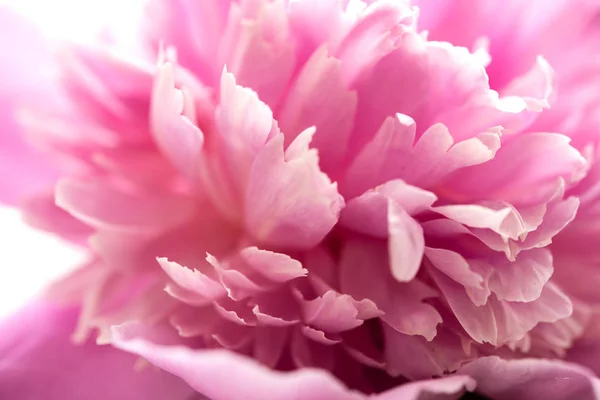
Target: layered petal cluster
323, 184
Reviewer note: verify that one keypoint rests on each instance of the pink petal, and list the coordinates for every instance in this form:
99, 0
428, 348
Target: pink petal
531, 160
192, 29
369, 212
317, 95
365, 274
193, 281
244, 125
535, 87
256, 47
406, 244
223, 375
456, 267
334, 312
39, 361
86, 200
523, 279
273, 266
452, 386
372, 36
532, 378
176, 135
498, 322
291, 216
415, 358
499, 218
391, 154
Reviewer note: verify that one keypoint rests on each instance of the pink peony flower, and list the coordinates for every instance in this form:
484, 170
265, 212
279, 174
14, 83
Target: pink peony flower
324, 199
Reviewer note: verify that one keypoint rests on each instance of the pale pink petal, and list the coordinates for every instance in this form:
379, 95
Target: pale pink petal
244, 125
498, 321
273, 266
499, 218
365, 274
457, 268
126, 211
531, 378
406, 244
535, 87
256, 47
373, 36
415, 358
192, 29
369, 212
193, 281
176, 135
442, 388
321, 79
334, 312
225, 375
391, 154
292, 216
521, 280
537, 159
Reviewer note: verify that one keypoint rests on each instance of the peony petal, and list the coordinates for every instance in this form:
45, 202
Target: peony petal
365, 274
223, 375
193, 281
256, 47
531, 160
391, 154
406, 244
416, 358
498, 322
176, 135
457, 268
523, 279
47, 365
445, 388
101, 205
531, 378
291, 216
192, 29
334, 312
273, 266
244, 125
321, 79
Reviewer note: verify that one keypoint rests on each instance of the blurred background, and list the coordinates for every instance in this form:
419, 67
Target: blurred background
29, 31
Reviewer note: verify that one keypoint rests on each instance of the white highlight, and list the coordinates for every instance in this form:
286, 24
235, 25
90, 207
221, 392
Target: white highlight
78, 19
29, 261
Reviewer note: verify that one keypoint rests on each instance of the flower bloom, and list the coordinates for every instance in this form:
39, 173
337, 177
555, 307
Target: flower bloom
321, 199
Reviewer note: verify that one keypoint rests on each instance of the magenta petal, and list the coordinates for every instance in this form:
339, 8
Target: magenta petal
39, 361
532, 379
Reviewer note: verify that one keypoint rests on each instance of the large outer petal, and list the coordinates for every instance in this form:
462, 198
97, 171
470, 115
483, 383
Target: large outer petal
224, 375
532, 379
39, 361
